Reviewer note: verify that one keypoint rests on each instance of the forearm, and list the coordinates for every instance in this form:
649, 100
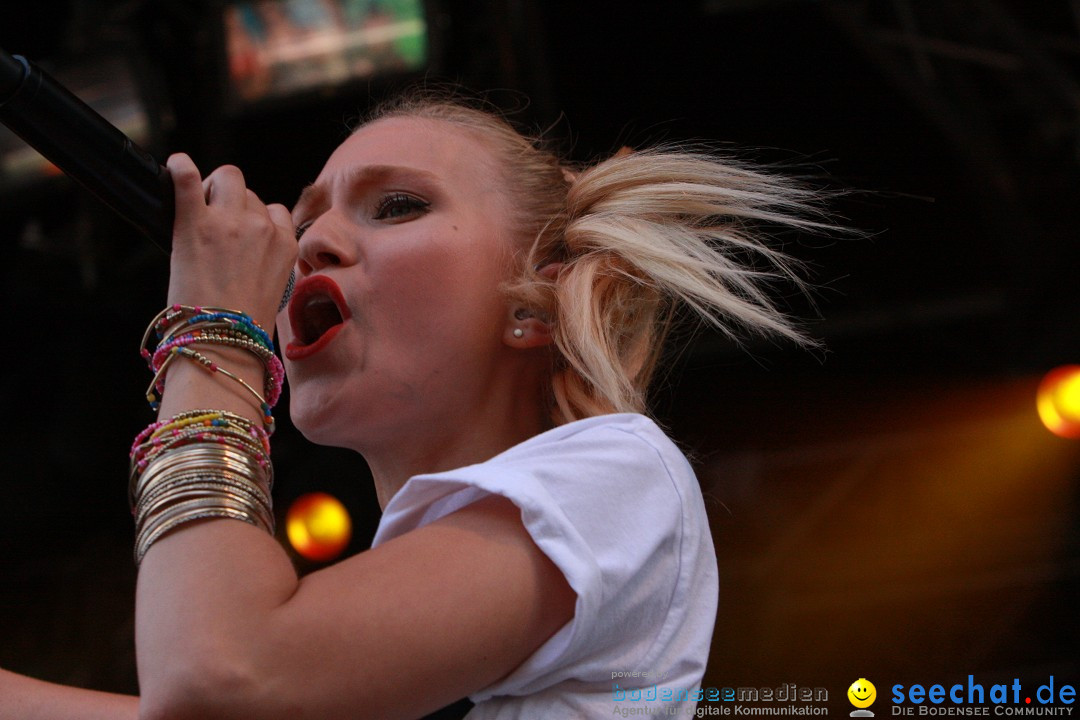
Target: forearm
206, 590
208, 587
25, 698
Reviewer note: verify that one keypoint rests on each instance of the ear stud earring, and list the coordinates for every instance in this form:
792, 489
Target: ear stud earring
518, 332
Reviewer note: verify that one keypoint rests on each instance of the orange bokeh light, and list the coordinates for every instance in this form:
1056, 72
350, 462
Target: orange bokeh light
1058, 401
318, 526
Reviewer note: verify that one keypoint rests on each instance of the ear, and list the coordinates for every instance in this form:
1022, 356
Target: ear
551, 270
525, 330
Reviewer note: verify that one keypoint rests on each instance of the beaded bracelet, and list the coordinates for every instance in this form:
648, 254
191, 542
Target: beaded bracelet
203, 464
235, 437
168, 320
206, 418
203, 419
275, 371
180, 326
232, 322
211, 367
200, 425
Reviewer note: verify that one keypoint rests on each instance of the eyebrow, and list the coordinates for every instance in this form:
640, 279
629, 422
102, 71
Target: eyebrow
317, 192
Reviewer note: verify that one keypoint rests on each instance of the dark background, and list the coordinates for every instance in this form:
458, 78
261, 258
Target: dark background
889, 508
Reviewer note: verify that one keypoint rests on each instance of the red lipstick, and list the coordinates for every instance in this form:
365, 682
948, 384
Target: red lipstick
317, 313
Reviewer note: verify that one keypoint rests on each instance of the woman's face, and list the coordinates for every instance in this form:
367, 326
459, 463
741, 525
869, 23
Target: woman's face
398, 321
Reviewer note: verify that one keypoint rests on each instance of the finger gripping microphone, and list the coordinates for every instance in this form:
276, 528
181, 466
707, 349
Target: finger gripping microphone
86, 147
89, 149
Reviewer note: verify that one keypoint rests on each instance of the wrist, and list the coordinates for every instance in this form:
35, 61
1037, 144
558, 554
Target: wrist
191, 386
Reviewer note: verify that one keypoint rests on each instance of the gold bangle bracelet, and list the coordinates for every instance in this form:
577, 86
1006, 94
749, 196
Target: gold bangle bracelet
172, 488
201, 455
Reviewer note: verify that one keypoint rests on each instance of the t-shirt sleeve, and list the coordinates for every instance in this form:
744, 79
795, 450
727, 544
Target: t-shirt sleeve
608, 505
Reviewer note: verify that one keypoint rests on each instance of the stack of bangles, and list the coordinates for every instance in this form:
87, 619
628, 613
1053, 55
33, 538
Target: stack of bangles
203, 463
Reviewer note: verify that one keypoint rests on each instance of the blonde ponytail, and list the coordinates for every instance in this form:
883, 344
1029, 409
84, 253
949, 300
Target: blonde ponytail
646, 232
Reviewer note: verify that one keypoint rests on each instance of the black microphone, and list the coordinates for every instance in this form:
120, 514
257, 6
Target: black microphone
86, 147
89, 149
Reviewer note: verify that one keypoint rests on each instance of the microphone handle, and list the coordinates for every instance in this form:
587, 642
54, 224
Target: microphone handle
87, 148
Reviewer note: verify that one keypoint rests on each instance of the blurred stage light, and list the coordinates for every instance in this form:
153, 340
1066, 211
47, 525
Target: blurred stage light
1058, 401
281, 48
318, 526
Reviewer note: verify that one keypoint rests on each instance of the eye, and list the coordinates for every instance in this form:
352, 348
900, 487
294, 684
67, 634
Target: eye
302, 228
399, 205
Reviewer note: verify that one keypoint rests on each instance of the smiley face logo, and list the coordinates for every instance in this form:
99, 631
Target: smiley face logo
862, 693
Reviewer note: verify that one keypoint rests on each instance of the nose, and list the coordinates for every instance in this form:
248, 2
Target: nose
325, 243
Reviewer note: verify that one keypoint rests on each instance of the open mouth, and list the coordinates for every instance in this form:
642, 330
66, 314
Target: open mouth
317, 312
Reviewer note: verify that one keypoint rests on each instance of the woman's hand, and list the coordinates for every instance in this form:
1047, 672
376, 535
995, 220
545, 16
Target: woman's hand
229, 248
232, 251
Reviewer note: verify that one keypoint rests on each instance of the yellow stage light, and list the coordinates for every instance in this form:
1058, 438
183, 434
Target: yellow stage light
1058, 401
318, 526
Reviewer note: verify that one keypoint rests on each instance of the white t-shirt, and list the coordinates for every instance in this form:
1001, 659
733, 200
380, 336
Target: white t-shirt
615, 505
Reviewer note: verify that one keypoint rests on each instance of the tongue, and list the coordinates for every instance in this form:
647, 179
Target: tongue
320, 314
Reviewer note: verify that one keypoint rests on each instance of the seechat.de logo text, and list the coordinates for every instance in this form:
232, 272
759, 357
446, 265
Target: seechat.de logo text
1052, 697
